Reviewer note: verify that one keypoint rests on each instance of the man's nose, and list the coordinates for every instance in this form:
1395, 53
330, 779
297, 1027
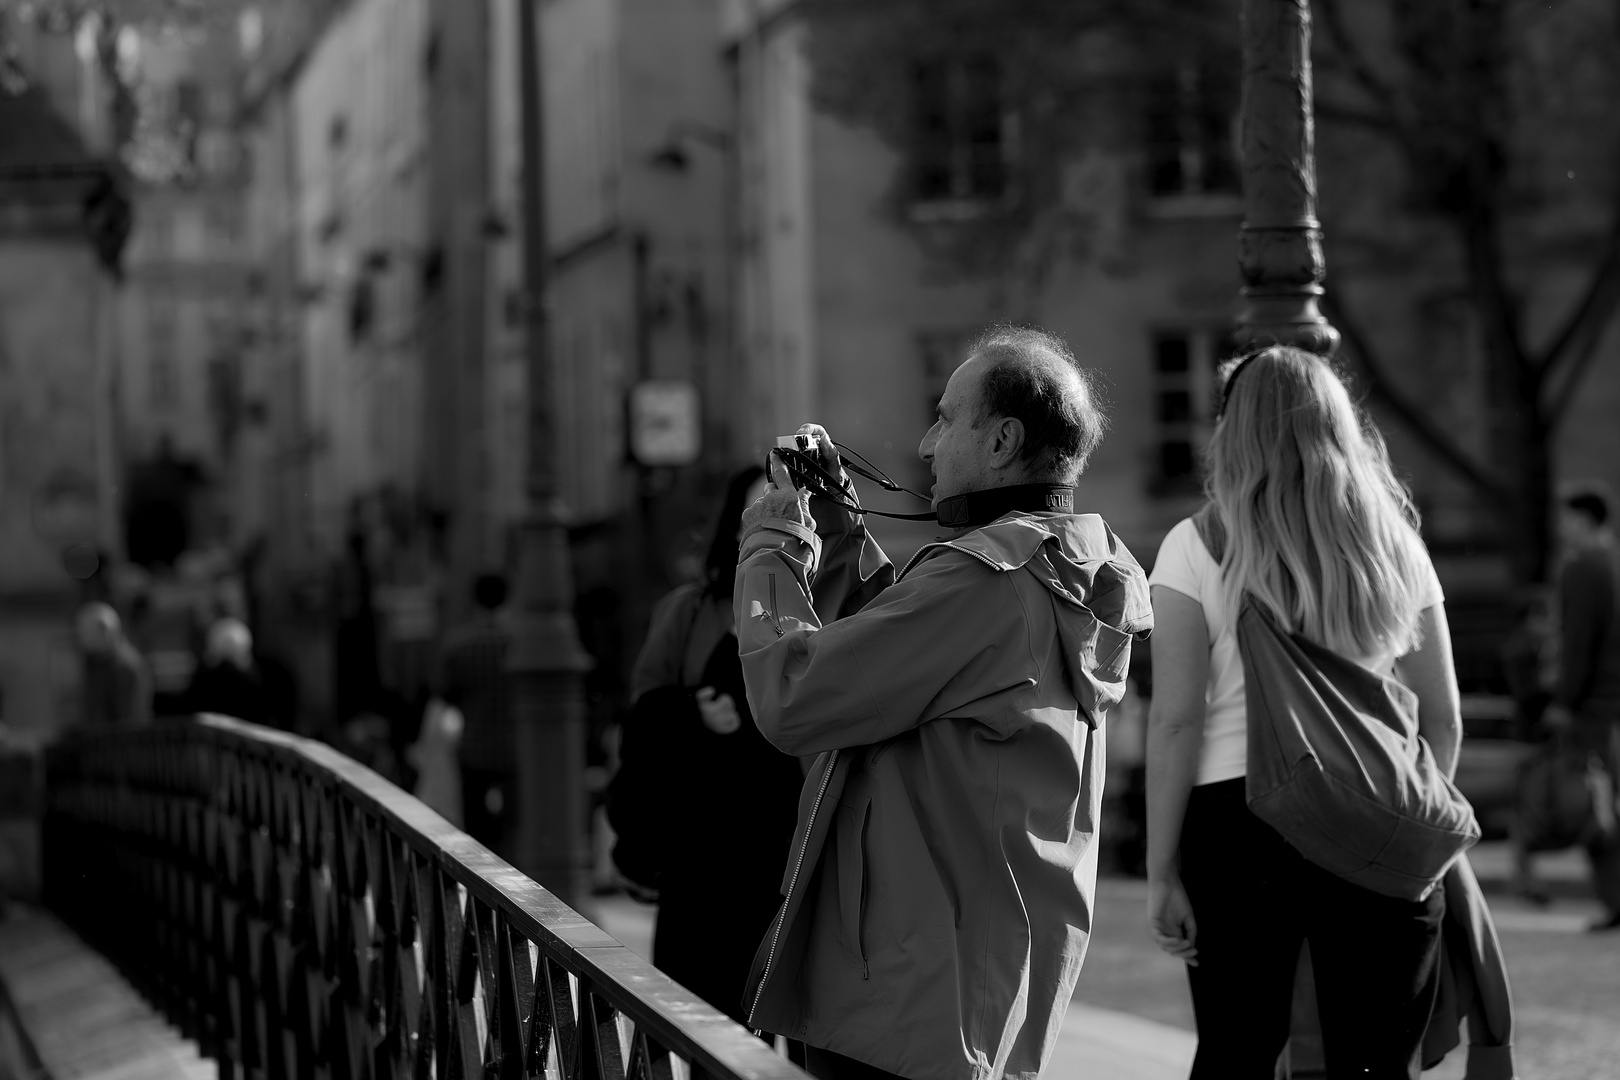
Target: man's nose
925, 449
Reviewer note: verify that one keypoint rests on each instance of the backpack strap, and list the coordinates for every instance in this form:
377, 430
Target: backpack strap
1211, 530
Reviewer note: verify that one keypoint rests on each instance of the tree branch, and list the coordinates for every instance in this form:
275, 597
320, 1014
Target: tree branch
1594, 309
1582, 359
1382, 388
1361, 70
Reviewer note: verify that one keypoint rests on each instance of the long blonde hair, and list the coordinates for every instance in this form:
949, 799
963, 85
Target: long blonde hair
1319, 530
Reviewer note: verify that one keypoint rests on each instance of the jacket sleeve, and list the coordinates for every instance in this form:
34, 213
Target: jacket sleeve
1586, 602
852, 568
1474, 984
950, 639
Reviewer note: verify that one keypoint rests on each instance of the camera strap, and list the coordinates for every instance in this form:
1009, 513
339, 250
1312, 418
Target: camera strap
975, 508
965, 511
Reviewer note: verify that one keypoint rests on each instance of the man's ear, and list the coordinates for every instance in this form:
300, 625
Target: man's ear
1006, 441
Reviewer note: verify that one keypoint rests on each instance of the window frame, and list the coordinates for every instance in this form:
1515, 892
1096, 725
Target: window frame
961, 202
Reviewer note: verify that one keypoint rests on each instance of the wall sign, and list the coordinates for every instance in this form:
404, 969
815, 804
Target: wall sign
665, 422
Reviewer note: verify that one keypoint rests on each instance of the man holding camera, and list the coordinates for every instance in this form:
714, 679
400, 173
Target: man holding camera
940, 887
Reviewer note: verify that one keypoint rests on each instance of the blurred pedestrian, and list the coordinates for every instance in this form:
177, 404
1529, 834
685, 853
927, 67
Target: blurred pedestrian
1586, 705
117, 682
228, 681
434, 756
703, 805
1315, 528
944, 864
473, 678
1524, 657
357, 682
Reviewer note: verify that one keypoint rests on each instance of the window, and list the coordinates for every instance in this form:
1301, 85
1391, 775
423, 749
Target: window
959, 149
1191, 128
1184, 363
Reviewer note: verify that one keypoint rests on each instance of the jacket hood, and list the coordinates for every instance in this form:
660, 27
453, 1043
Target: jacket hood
1100, 589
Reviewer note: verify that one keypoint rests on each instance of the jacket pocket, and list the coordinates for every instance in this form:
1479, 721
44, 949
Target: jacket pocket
852, 878
1110, 653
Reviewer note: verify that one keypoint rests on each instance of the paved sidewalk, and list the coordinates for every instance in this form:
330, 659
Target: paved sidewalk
1104, 1043
67, 1004
1094, 1042
1561, 873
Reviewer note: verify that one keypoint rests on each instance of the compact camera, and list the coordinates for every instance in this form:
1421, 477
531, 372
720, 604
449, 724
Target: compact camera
799, 454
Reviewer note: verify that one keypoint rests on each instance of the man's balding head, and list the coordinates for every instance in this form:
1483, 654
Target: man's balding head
1031, 376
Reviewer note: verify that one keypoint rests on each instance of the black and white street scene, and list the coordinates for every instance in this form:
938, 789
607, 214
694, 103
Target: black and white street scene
850, 539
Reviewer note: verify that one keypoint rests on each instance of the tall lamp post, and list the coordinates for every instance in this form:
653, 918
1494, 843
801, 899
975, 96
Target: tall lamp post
1280, 257
1280, 241
546, 661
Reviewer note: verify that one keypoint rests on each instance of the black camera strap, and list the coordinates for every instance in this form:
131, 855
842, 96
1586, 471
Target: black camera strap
965, 511
975, 508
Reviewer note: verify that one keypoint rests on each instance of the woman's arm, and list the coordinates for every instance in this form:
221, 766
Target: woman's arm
1430, 673
1174, 737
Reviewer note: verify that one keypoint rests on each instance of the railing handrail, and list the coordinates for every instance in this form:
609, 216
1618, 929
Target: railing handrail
93, 778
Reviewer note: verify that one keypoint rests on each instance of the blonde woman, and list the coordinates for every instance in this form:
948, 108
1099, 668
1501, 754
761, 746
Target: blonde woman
1318, 531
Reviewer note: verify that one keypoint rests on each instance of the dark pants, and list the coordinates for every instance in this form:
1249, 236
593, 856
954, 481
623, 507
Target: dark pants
707, 934
1597, 735
1254, 900
827, 1065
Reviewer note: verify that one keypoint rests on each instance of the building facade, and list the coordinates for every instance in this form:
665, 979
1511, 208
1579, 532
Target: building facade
856, 303
62, 223
900, 193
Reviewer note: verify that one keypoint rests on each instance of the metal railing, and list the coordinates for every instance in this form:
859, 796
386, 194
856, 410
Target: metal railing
300, 916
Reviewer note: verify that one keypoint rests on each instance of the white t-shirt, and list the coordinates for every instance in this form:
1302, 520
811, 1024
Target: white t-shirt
1185, 565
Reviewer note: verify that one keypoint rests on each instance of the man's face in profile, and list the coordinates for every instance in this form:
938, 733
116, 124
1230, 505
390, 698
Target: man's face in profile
955, 447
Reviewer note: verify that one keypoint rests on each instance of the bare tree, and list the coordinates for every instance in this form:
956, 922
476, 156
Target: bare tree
1483, 103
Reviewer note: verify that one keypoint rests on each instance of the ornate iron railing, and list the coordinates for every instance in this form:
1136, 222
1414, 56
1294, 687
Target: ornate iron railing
302, 917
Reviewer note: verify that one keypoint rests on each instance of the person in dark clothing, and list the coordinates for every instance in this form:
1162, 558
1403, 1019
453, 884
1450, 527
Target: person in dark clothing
1586, 703
704, 806
472, 677
357, 681
1524, 657
228, 681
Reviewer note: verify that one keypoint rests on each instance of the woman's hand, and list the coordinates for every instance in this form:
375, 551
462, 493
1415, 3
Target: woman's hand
1170, 916
719, 712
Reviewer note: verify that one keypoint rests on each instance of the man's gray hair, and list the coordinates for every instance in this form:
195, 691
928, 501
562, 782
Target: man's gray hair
1034, 378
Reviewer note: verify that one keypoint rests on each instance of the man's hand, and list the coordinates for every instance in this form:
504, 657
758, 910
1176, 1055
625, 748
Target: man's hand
719, 712
781, 501
826, 452
1558, 718
1170, 917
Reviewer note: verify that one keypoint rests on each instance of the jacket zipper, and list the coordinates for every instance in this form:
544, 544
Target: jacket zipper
776, 620
793, 882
